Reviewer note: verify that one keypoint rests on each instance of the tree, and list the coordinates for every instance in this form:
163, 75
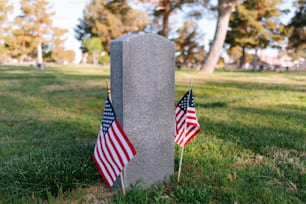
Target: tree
109, 20
235, 53
225, 9
255, 25
187, 49
20, 43
5, 8
297, 37
69, 55
58, 51
83, 30
163, 9
34, 26
186, 37
94, 47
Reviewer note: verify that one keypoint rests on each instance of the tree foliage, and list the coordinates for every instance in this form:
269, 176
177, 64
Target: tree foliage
162, 10
187, 48
33, 32
58, 52
109, 20
297, 26
94, 47
5, 8
255, 25
30, 29
36, 21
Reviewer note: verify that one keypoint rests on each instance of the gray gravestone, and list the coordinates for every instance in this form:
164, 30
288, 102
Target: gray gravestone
142, 89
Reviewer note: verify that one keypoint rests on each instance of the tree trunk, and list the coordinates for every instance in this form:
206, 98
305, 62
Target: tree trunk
166, 4
95, 58
242, 58
225, 10
84, 58
39, 54
255, 59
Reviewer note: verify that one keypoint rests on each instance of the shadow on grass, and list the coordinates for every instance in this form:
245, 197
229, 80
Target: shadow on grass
31, 73
219, 104
85, 77
27, 76
20, 135
224, 103
295, 112
258, 86
258, 137
33, 83
14, 67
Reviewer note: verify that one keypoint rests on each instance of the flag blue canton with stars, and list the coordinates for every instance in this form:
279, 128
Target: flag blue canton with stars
183, 102
108, 116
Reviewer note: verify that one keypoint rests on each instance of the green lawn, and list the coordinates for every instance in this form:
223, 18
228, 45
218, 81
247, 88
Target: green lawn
251, 149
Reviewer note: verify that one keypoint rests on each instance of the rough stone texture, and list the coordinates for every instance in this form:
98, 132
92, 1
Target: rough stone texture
142, 85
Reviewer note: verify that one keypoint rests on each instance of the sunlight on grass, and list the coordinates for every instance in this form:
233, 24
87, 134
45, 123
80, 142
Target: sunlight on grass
251, 148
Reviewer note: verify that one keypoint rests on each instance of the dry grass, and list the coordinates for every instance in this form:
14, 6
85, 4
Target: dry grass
96, 194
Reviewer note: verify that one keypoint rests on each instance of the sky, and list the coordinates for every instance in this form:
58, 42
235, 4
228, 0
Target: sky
67, 14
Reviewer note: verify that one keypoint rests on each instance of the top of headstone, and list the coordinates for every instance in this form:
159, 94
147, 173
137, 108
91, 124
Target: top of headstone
129, 37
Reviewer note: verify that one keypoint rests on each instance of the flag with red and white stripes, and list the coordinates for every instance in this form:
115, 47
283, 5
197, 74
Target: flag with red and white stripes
187, 125
113, 149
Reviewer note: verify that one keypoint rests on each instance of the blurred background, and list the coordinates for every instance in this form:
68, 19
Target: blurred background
208, 34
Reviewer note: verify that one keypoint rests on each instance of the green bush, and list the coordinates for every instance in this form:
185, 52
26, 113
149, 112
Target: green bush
104, 59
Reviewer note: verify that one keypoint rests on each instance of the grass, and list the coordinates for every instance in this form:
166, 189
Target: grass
251, 149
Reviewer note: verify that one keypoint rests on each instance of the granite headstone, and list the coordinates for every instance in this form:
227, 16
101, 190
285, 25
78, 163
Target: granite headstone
142, 90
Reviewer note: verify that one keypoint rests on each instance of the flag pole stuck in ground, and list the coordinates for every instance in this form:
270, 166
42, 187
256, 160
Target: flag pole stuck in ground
187, 126
108, 90
113, 149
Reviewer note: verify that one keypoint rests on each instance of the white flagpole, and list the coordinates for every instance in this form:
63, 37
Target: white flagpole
182, 150
180, 165
121, 174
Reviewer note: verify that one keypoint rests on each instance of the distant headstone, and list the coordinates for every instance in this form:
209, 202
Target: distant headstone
142, 85
40, 65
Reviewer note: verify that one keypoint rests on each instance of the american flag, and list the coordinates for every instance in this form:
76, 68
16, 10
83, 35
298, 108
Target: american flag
187, 125
113, 149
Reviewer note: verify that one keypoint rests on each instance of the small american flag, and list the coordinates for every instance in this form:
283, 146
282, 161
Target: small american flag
113, 149
187, 125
